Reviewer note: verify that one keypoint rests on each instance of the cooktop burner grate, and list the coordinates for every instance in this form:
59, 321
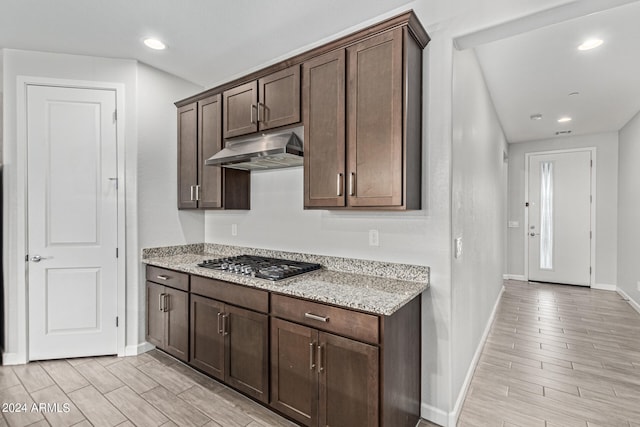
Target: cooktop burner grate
258, 266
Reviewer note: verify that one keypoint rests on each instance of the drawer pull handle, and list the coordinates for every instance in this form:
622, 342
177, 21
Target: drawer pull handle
162, 277
316, 317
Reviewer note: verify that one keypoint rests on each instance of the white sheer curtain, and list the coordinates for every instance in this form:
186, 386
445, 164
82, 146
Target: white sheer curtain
546, 215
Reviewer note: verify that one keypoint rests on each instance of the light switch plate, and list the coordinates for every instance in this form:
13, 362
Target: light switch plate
458, 247
234, 229
374, 238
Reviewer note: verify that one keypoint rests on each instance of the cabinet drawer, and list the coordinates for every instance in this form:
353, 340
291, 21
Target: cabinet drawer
253, 299
341, 321
168, 277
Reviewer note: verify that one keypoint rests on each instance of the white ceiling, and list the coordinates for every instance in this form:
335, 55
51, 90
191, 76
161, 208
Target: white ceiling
534, 73
208, 41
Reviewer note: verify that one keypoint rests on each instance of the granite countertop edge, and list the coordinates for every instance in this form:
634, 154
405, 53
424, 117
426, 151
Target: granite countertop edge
356, 288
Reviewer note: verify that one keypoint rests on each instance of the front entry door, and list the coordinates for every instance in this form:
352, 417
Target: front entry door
559, 229
72, 222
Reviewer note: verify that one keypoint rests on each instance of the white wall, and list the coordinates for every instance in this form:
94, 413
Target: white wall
149, 122
606, 165
629, 209
478, 197
160, 223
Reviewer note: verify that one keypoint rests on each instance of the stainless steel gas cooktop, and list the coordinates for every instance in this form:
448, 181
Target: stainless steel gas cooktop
258, 266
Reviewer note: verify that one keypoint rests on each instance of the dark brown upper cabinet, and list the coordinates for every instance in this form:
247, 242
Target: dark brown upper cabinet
360, 100
267, 103
200, 137
324, 130
365, 153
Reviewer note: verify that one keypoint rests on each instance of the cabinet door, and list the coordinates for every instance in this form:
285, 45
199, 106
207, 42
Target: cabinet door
240, 112
207, 341
177, 323
247, 357
155, 316
279, 98
187, 156
374, 111
348, 372
323, 106
294, 378
210, 142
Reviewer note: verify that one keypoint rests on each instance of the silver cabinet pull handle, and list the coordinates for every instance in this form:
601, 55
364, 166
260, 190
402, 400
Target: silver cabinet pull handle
252, 107
192, 198
339, 185
352, 183
260, 104
220, 323
197, 192
161, 302
311, 364
320, 367
225, 324
162, 277
316, 317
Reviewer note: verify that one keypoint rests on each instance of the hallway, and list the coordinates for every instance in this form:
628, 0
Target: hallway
558, 356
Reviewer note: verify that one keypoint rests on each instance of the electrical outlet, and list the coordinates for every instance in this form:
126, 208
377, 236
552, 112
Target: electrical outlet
234, 229
374, 238
638, 285
458, 247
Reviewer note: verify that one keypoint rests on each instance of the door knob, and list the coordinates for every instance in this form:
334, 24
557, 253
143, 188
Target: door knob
36, 258
534, 234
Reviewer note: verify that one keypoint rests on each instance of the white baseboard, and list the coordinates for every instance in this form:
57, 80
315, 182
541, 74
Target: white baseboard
435, 415
630, 300
519, 277
134, 350
13, 359
455, 414
604, 287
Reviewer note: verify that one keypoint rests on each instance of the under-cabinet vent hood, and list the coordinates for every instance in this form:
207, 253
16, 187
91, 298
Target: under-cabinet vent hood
267, 151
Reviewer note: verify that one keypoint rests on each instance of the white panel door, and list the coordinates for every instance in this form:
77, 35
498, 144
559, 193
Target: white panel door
559, 229
72, 220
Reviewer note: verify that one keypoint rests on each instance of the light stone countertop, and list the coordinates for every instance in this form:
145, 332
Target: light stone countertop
357, 289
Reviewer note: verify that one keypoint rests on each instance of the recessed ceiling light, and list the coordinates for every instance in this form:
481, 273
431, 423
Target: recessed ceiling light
154, 44
536, 117
564, 119
590, 44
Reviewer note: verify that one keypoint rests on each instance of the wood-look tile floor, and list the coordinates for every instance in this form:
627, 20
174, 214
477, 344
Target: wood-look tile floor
151, 389
558, 356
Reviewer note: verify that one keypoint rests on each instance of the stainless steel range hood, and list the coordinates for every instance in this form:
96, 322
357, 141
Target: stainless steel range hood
267, 151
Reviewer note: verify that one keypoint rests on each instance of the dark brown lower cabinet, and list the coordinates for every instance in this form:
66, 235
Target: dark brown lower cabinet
168, 319
231, 344
321, 379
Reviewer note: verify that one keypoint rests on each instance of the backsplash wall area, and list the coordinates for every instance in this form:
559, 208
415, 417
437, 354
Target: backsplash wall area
277, 220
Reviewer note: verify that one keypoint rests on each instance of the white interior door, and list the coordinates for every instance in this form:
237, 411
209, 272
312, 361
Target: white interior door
72, 222
559, 229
